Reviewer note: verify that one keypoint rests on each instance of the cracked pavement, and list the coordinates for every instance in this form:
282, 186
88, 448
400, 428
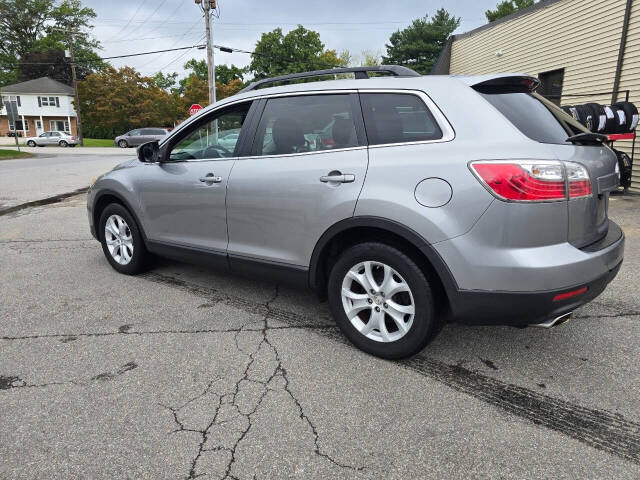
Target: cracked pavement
185, 372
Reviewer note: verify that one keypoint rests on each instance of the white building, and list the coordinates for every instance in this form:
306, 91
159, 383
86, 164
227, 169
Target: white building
43, 104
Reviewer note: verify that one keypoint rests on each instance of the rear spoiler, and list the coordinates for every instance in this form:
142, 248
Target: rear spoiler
504, 83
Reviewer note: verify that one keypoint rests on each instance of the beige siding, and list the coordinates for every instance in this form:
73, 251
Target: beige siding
630, 80
581, 36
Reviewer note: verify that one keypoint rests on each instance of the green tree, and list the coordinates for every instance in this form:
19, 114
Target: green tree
225, 73
166, 81
31, 26
419, 45
507, 7
114, 101
297, 51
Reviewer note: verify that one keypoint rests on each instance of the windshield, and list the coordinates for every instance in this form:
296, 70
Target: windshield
535, 116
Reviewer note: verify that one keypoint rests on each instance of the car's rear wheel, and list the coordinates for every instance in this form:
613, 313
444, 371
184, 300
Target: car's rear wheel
63, 144
123, 144
382, 301
31, 143
121, 240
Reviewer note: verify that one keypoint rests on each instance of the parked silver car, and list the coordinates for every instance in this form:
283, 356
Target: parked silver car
62, 139
138, 136
429, 199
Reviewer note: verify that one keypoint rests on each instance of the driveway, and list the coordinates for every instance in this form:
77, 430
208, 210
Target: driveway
184, 372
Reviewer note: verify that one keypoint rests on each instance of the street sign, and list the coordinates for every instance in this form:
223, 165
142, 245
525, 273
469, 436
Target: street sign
195, 108
12, 114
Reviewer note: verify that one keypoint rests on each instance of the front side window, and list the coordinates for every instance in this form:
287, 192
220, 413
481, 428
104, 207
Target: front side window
397, 118
134, 133
216, 138
307, 123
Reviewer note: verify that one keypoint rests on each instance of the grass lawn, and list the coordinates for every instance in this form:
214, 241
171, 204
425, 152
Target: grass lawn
9, 154
98, 142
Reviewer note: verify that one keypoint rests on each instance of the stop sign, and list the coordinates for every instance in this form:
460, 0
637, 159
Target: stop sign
195, 108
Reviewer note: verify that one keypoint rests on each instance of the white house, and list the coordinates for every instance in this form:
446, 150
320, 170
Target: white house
44, 104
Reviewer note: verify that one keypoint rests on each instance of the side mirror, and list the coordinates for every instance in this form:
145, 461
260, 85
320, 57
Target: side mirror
149, 152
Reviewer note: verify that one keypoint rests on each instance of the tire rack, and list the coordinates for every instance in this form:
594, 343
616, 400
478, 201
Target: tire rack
612, 136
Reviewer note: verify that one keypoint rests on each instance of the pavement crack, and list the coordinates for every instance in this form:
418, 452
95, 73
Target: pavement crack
233, 410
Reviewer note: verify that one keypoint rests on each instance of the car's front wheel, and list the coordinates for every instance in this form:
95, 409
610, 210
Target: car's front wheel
122, 241
382, 301
123, 144
31, 143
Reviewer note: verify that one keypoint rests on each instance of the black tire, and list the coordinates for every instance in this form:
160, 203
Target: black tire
426, 323
123, 144
141, 258
612, 119
31, 143
630, 111
597, 111
63, 144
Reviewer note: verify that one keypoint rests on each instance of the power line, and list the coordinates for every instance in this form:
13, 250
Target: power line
140, 5
175, 59
116, 56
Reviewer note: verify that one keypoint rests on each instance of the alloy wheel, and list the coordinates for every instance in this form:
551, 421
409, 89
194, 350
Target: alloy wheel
378, 301
118, 238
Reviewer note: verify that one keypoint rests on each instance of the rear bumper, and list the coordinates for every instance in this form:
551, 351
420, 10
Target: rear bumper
521, 309
595, 266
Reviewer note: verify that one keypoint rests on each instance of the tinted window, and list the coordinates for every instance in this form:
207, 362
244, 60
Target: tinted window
134, 133
156, 131
216, 138
536, 117
397, 118
308, 123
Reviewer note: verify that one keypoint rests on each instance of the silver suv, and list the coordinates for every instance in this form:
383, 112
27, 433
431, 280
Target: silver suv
138, 136
406, 200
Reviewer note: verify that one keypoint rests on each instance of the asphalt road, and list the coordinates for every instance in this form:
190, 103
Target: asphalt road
184, 372
53, 172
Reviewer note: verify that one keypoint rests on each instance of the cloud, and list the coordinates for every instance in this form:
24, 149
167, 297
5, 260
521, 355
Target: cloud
132, 26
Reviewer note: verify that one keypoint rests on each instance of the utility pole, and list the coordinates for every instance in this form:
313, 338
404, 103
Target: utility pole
207, 6
74, 81
75, 92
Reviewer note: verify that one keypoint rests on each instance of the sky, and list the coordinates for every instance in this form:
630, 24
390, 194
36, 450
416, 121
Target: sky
132, 26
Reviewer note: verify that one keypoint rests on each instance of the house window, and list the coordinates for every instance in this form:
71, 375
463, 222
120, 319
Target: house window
49, 101
59, 125
11, 98
19, 125
551, 85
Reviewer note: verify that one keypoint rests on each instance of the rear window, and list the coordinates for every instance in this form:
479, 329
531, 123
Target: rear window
307, 123
535, 116
397, 118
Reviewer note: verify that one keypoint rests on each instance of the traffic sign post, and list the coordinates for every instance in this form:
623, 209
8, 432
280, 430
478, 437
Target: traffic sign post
195, 108
12, 115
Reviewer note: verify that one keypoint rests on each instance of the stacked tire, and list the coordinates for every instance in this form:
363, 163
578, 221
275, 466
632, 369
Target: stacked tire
621, 117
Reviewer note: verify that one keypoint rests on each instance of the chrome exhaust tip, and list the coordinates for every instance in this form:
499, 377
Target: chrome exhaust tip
554, 322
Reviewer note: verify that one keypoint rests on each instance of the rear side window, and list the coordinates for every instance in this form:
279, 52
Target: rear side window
307, 123
397, 118
535, 116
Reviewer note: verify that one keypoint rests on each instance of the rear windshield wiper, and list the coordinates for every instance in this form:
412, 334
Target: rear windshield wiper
587, 137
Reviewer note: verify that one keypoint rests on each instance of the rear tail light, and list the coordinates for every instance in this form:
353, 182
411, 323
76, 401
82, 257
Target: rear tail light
579, 183
532, 180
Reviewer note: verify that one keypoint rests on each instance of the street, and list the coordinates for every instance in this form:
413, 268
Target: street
54, 171
185, 372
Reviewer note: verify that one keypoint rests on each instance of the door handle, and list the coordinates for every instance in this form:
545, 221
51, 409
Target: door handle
211, 178
338, 178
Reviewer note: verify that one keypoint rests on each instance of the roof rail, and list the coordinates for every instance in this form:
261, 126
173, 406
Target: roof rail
359, 72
